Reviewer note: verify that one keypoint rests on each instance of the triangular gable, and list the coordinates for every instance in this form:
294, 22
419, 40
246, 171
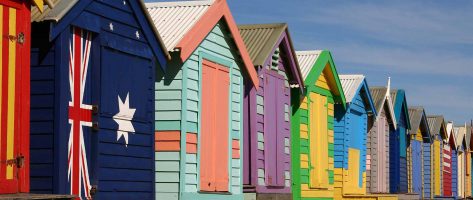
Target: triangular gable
313, 64
261, 41
450, 135
382, 99
419, 120
66, 12
437, 126
400, 104
356, 84
459, 133
198, 27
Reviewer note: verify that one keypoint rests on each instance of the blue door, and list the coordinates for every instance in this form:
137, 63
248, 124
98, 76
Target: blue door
417, 167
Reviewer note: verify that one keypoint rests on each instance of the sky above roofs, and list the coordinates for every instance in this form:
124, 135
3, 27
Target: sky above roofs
426, 47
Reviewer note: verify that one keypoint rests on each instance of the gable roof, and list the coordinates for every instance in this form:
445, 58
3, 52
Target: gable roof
400, 103
261, 41
313, 63
65, 11
184, 24
459, 133
468, 135
382, 100
437, 125
451, 136
419, 120
354, 84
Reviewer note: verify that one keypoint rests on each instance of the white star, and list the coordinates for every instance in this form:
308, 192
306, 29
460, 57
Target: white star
123, 119
111, 26
137, 34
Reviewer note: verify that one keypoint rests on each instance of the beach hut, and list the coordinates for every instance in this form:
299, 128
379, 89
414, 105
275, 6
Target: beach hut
15, 41
200, 101
397, 144
351, 127
439, 133
450, 163
460, 133
93, 68
312, 129
468, 175
267, 125
377, 158
419, 153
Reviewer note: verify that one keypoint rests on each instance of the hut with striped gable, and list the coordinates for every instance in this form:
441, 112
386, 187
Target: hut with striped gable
377, 158
450, 163
418, 151
93, 66
439, 134
351, 127
15, 42
398, 139
199, 101
312, 129
267, 124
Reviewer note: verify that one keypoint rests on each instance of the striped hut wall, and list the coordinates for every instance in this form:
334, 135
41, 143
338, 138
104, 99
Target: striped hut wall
447, 170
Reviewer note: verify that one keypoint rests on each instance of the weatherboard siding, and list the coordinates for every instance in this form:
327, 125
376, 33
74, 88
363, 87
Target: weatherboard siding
276, 148
427, 170
41, 121
378, 156
305, 150
350, 149
180, 97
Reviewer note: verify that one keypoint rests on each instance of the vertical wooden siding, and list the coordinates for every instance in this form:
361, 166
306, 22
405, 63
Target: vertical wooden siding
455, 188
437, 167
427, 170
447, 170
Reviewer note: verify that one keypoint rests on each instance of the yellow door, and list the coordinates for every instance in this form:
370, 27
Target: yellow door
318, 136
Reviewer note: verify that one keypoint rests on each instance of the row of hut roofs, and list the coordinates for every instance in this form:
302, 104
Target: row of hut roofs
206, 109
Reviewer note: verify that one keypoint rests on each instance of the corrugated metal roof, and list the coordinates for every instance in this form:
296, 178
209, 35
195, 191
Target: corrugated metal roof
307, 60
459, 135
350, 84
174, 19
394, 95
468, 136
435, 124
260, 40
61, 7
416, 113
379, 96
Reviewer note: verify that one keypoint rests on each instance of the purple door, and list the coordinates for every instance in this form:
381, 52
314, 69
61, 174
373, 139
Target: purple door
274, 91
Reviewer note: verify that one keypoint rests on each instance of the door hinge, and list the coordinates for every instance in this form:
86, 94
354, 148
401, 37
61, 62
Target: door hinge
20, 38
19, 161
93, 190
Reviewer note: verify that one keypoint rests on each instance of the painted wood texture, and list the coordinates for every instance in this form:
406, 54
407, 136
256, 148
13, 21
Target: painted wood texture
350, 148
454, 173
179, 107
461, 173
378, 156
314, 124
427, 170
447, 170
214, 131
417, 175
437, 167
268, 159
397, 154
14, 92
121, 168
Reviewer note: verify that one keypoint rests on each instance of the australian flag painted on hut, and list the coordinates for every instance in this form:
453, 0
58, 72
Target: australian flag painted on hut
92, 100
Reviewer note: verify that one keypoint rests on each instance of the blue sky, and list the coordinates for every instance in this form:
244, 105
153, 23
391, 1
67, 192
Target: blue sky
426, 47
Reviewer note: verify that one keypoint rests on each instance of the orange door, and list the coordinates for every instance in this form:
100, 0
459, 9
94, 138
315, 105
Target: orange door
214, 128
14, 96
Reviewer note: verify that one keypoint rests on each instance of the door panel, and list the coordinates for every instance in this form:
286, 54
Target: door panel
214, 129
14, 96
318, 120
274, 129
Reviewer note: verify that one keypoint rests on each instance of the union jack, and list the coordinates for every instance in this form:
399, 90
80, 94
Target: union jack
80, 114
